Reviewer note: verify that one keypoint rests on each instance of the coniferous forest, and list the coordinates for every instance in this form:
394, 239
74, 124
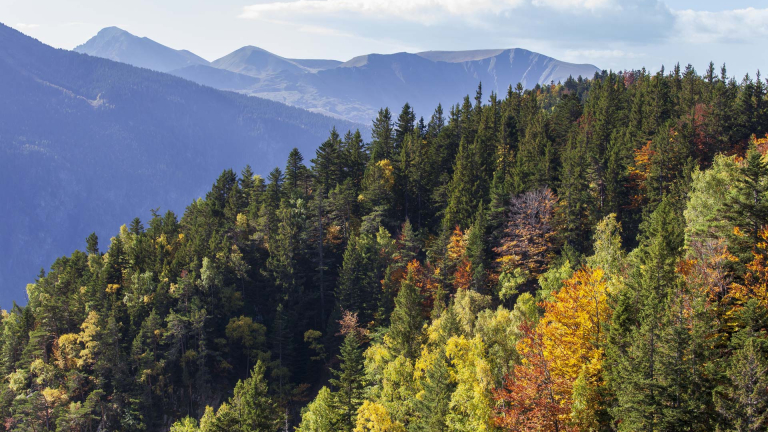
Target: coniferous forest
583, 256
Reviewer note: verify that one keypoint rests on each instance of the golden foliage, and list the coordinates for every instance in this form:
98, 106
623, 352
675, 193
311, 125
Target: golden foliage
574, 323
373, 417
387, 172
457, 255
471, 406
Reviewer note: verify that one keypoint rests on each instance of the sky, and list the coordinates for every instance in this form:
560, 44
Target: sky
611, 34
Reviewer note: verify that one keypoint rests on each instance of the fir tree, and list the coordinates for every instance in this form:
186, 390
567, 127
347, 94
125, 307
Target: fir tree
407, 319
349, 382
462, 191
382, 134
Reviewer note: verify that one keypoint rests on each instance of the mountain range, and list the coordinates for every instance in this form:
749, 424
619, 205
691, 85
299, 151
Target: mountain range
85, 141
354, 90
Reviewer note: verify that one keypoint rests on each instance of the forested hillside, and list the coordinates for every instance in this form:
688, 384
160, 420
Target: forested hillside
578, 257
85, 141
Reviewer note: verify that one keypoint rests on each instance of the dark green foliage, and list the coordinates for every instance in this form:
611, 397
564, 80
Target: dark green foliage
162, 321
349, 382
405, 330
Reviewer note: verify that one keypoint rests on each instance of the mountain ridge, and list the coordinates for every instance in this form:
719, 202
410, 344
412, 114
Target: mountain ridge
116, 44
422, 79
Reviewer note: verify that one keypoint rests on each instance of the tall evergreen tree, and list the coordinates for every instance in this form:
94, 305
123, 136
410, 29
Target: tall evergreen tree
349, 382
405, 330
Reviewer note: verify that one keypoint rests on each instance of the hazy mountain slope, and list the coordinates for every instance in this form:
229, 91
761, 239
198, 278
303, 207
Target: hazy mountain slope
316, 64
357, 89
119, 45
86, 141
257, 62
216, 78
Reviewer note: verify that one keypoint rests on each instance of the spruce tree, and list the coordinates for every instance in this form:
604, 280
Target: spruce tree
404, 127
636, 363
405, 330
743, 399
253, 407
349, 382
573, 191
382, 137
295, 172
326, 163
462, 199
477, 250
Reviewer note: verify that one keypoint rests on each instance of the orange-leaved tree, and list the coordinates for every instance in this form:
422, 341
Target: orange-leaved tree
531, 398
560, 383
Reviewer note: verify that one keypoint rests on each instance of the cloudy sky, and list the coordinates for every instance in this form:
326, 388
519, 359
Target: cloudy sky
612, 34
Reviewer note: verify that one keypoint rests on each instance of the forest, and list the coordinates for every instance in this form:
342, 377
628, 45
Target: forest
585, 256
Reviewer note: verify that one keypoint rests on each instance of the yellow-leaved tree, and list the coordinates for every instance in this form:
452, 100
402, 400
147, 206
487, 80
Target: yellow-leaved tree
574, 336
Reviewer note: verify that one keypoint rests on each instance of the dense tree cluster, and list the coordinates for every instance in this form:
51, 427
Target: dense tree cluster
589, 255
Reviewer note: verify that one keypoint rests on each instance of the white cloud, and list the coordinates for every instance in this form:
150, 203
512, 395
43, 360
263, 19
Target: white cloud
422, 11
569, 21
599, 54
592, 5
615, 34
434, 10
24, 26
323, 31
731, 26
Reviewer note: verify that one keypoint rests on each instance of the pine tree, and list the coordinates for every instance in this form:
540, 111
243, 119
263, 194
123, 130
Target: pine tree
359, 286
320, 415
251, 406
636, 363
355, 157
743, 400
274, 191
404, 127
477, 250
405, 330
462, 199
349, 382
574, 209
382, 135
326, 162
295, 173
747, 206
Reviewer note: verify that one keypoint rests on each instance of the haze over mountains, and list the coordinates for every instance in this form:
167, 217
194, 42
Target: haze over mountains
85, 141
115, 44
354, 90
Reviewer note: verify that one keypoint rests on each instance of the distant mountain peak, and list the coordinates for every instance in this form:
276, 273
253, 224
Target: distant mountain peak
108, 31
354, 89
120, 45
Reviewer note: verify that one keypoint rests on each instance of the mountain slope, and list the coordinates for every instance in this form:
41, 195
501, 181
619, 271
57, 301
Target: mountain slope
116, 44
217, 78
501, 67
257, 62
357, 89
85, 141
